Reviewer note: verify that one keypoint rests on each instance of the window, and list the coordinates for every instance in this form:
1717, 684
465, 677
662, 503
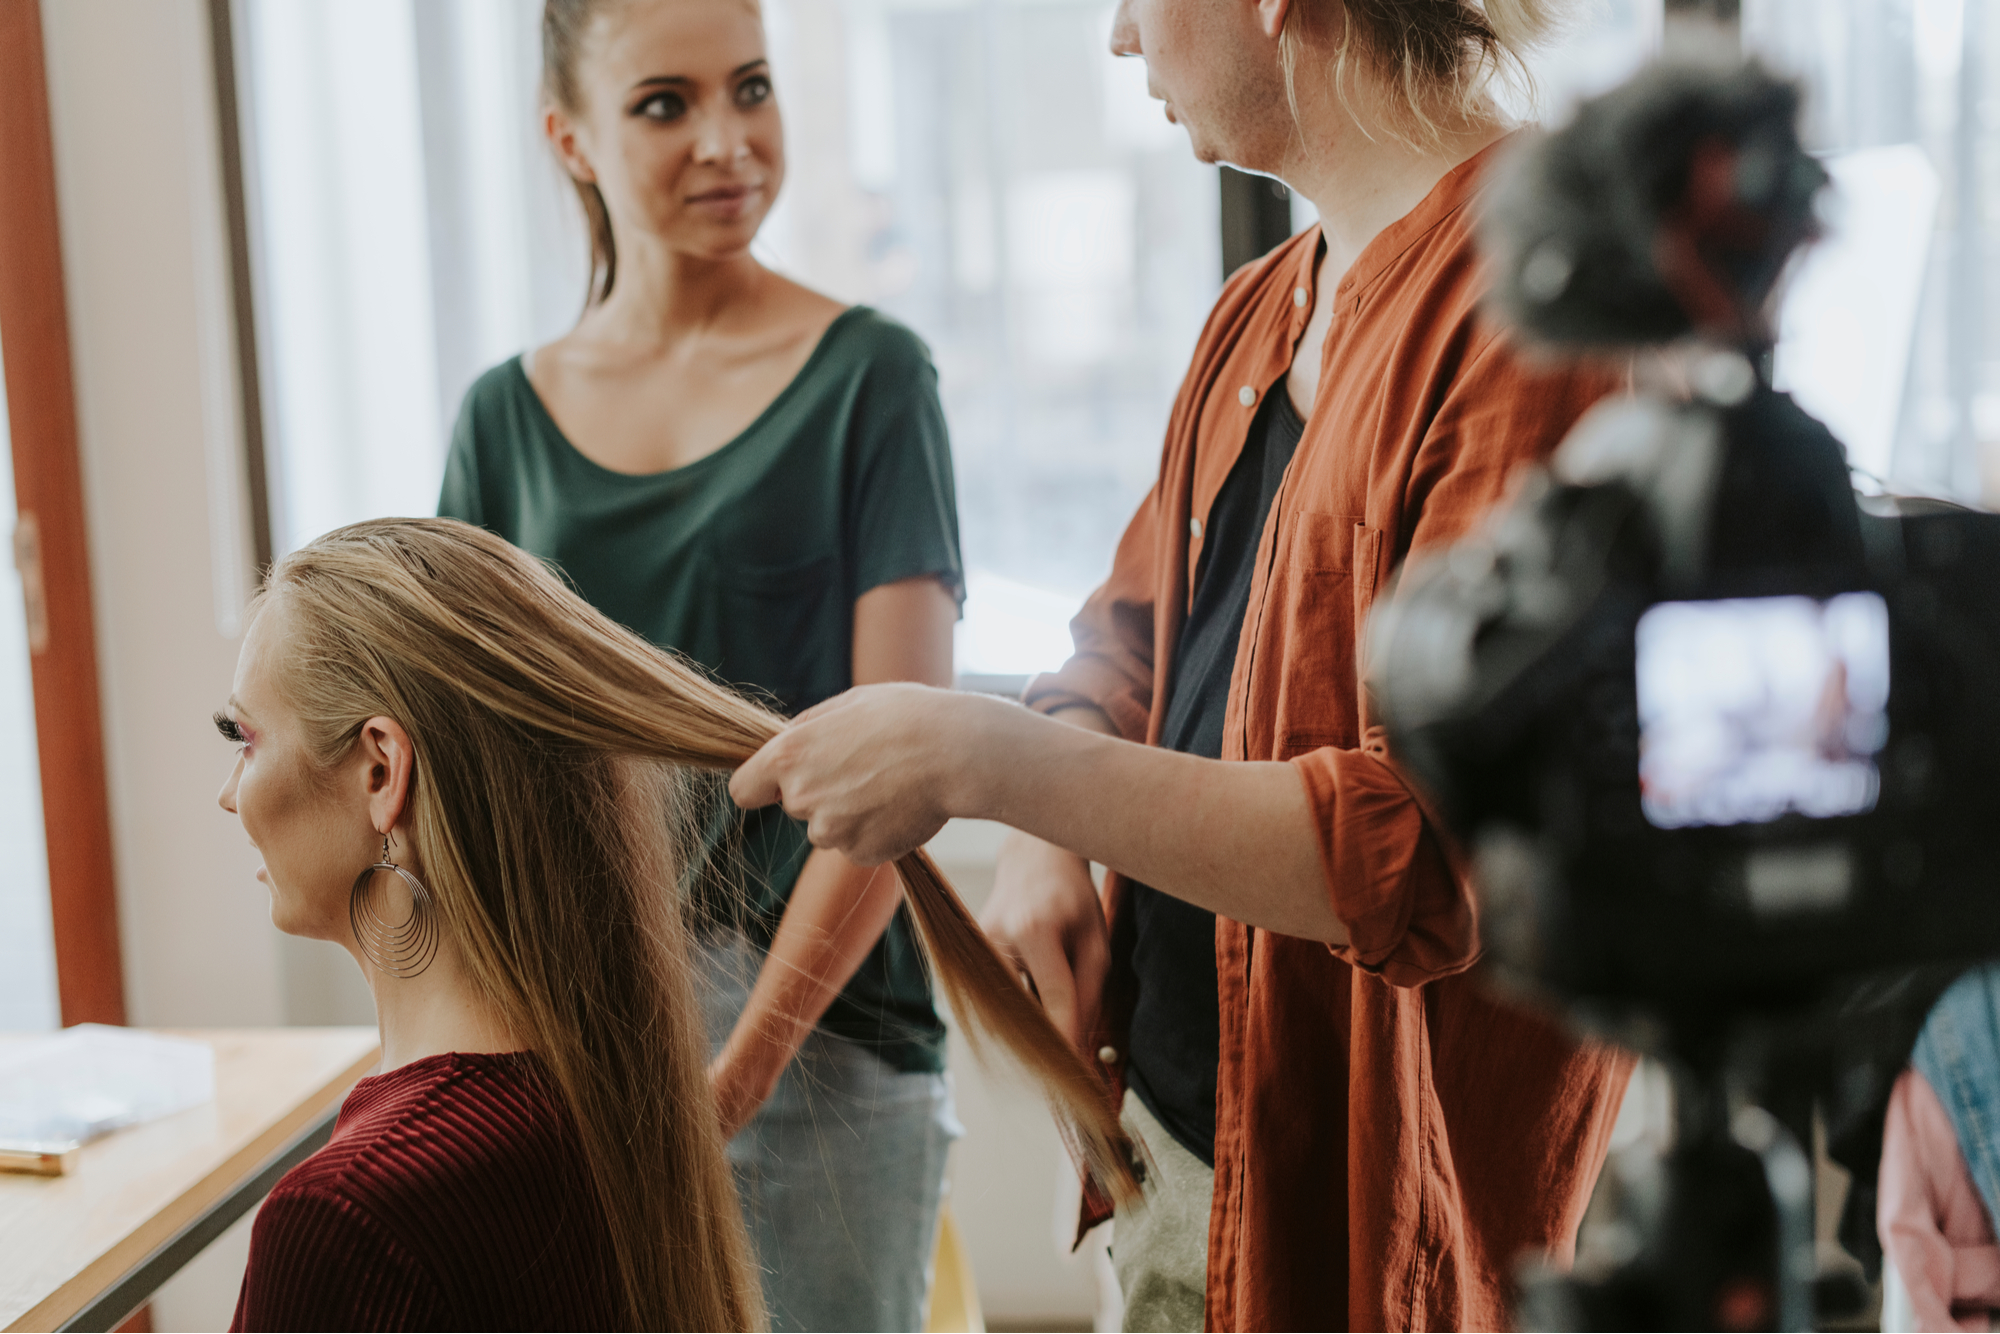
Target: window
980, 169
985, 173
1886, 331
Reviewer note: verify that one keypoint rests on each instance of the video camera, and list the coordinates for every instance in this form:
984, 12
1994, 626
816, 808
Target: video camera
1721, 737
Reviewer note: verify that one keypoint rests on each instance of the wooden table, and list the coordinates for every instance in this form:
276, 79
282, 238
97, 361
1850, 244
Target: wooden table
84, 1251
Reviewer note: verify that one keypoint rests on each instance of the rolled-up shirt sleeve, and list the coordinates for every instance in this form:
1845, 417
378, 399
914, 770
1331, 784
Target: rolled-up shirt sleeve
1409, 913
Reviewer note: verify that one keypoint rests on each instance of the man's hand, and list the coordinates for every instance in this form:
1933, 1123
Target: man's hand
871, 772
1045, 918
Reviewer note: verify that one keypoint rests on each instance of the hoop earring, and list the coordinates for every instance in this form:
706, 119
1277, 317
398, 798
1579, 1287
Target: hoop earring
400, 949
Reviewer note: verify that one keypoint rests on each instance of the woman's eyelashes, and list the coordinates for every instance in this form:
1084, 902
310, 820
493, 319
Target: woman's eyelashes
231, 730
662, 106
666, 105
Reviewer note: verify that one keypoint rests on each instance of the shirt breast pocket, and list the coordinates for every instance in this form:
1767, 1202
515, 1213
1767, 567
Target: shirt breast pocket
1331, 563
782, 626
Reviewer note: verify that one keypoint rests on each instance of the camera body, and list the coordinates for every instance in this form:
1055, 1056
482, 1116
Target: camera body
1713, 733
1721, 738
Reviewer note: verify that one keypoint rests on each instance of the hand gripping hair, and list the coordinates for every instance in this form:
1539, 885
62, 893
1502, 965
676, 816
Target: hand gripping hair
557, 804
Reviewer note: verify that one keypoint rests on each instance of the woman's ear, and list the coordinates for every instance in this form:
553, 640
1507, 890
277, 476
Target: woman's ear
389, 765
562, 136
1271, 16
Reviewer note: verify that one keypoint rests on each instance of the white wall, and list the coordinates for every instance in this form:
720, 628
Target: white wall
145, 260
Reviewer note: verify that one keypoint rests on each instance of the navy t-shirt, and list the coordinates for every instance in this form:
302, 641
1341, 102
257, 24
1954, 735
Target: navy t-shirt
1176, 1032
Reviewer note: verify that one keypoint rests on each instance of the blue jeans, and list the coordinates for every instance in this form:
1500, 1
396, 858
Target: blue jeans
841, 1173
1958, 1054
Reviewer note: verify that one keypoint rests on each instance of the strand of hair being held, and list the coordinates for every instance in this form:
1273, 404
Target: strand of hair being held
994, 1007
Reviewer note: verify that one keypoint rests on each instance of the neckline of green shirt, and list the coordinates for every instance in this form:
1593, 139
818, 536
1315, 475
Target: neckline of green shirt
546, 419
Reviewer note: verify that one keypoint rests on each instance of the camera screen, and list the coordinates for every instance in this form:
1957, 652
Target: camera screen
1753, 707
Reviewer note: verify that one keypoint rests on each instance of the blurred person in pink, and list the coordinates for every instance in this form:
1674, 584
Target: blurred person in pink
1941, 1167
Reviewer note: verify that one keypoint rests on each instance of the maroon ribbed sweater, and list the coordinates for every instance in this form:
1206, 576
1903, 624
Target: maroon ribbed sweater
453, 1195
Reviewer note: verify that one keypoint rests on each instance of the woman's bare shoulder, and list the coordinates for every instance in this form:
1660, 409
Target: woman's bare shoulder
793, 317
795, 300
580, 348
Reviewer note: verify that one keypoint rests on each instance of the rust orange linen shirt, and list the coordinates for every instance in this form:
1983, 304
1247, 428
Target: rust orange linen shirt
1390, 1139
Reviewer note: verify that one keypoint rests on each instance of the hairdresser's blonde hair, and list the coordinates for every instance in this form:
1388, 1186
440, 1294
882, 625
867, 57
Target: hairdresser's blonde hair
1437, 59
564, 769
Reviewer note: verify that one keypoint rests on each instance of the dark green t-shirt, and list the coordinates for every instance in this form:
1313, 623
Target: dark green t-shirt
749, 561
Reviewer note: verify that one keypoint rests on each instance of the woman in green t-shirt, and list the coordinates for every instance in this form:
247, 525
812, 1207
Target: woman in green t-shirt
740, 469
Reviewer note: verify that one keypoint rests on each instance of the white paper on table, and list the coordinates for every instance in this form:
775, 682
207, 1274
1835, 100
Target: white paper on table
92, 1079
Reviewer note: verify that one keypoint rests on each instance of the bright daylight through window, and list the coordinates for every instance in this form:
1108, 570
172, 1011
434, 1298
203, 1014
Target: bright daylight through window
980, 169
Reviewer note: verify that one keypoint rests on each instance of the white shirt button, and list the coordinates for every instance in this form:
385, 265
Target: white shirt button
1246, 396
1299, 297
1194, 526
1108, 1055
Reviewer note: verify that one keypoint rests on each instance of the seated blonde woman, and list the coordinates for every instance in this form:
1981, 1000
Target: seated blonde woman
487, 791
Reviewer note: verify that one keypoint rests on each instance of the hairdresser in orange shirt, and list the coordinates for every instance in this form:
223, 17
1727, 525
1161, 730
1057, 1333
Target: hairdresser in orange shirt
1276, 971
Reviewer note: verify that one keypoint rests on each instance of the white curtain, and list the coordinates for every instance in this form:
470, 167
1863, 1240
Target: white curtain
410, 231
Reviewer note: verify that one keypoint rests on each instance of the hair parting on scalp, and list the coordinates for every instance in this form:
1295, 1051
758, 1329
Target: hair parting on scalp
564, 773
1438, 59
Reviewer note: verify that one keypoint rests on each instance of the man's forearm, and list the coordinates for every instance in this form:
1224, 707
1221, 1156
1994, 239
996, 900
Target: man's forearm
1087, 716
1235, 838
879, 770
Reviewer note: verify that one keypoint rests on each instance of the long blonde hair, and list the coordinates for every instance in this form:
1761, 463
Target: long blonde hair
564, 769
